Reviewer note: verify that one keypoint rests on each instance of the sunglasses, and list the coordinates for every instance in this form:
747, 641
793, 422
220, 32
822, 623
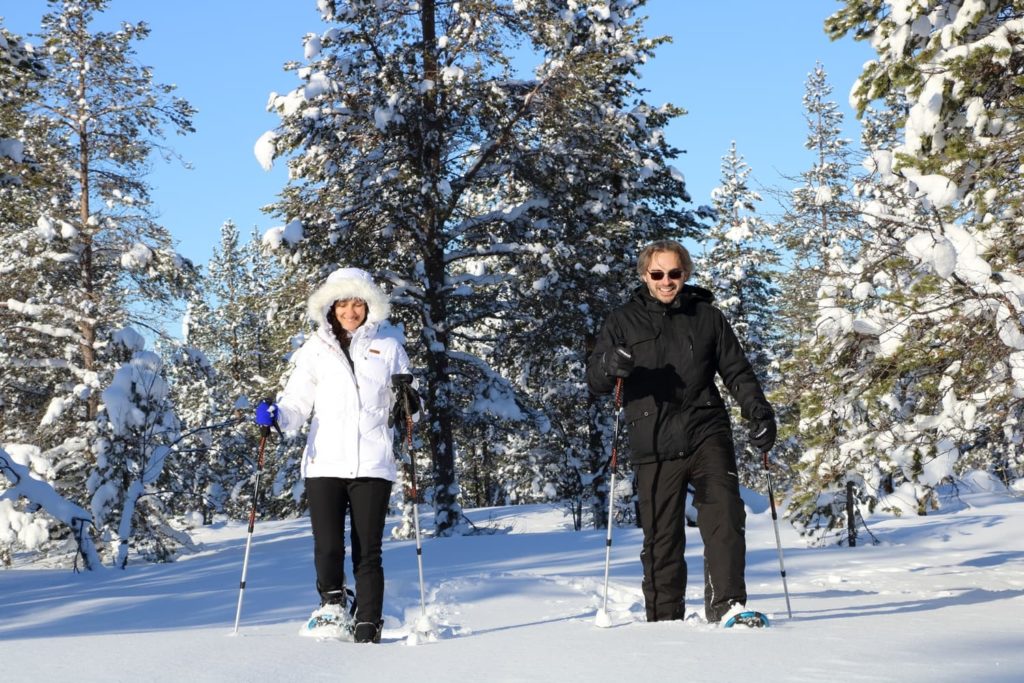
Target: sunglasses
674, 274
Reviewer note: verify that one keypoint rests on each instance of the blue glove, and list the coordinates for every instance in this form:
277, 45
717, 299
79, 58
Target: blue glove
266, 414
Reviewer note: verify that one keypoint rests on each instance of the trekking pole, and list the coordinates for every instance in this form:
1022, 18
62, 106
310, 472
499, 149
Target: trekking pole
778, 540
405, 380
602, 619
264, 433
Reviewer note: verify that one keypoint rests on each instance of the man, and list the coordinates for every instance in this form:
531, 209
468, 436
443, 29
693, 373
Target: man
666, 344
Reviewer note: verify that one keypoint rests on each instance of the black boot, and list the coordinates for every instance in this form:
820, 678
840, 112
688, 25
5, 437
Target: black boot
342, 596
367, 632
337, 597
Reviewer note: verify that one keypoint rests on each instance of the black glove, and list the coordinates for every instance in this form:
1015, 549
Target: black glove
762, 428
617, 362
403, 393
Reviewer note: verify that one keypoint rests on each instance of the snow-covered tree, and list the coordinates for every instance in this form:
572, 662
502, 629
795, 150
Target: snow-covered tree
18, 67
820, 225
82, 255
820, 233
816, 227
231, 357
738, 265
29, 528
924, 331
418, 151
137, 431
195, 486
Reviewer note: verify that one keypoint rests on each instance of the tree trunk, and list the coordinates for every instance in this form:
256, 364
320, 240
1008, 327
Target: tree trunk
435, 334
439, 404
86, 325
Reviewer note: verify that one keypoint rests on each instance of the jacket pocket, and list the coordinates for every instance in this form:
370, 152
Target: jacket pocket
708, 398
374, 383
641, 416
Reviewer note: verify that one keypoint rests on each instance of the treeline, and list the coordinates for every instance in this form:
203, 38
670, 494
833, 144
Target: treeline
881, 305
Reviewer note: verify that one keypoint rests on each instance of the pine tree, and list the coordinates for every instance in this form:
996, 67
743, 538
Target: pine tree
417, 152
738, 267
226, 365
33, 509
920, 390
136, 434
820, 226
821, 234
18, 67
86, 259
196, 485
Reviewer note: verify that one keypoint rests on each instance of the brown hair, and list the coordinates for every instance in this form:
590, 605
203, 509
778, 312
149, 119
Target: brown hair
343, 336
643, 262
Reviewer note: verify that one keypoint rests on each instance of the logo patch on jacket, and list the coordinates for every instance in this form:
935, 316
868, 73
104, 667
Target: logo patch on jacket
375, 351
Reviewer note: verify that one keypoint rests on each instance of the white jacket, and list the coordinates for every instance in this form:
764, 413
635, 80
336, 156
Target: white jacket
348, 436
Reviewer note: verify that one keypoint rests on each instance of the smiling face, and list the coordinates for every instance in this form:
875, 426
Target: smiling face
351, 313
663, 265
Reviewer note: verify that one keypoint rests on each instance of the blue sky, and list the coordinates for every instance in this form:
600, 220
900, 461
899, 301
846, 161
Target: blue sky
737, 66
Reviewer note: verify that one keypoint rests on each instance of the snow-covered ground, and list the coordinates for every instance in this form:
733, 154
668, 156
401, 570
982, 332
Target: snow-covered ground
940, 598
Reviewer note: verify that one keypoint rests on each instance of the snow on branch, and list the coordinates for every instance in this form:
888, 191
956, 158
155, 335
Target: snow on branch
507, 214
493, 394
40, 493
497, 249
32, 310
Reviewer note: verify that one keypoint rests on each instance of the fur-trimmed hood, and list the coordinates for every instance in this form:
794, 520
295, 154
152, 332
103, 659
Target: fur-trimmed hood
349, 283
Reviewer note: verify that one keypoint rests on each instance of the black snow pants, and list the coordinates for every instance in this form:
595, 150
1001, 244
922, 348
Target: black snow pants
367, 498
711, 470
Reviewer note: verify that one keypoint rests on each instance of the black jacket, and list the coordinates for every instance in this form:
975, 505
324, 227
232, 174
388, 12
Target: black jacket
671, 402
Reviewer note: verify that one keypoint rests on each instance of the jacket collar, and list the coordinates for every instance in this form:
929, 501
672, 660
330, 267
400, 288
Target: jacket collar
359, 337
687, 298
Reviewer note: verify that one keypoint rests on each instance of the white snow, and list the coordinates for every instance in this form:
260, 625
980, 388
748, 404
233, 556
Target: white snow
941, 594
264, 150
867, 326
313, 46
129, 339
938, 190
291, 233
45, 228
53, 411
319, 83
138, 257
934, 250
863, 290
822, 195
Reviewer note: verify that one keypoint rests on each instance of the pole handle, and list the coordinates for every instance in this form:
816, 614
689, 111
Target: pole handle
618, 407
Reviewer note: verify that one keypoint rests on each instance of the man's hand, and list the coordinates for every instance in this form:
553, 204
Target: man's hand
617, 362
762, 428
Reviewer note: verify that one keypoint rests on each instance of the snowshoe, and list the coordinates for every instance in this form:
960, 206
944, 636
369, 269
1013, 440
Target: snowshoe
749, 618
328, 622
333, 620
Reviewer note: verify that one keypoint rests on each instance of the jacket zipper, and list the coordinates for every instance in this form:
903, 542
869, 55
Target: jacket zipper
351, 369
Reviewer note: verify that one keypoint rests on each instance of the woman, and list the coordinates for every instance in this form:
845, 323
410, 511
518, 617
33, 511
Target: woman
342, 376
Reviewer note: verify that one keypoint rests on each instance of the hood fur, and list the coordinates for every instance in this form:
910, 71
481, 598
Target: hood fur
349, 283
